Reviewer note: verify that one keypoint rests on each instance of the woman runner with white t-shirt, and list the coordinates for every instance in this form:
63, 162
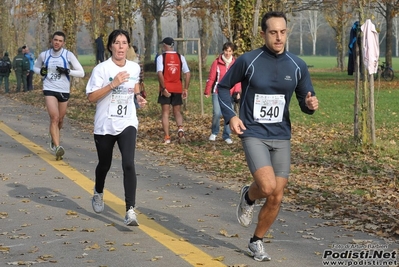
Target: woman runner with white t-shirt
114, 86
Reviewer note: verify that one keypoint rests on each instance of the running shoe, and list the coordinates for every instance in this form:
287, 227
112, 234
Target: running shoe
228, 141
257, 250
131, 218
166, 140
212, 137
244, 211
180, 134
97, 202
59, 152
52, 146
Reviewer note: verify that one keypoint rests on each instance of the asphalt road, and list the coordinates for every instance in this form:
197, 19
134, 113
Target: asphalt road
186, 219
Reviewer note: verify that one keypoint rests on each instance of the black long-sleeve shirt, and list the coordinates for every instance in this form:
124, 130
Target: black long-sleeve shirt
268, 81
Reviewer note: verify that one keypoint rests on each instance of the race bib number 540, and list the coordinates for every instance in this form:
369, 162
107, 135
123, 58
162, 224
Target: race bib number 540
268, 108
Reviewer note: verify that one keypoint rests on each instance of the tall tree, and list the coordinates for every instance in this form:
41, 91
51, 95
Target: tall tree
388, 9
314, 22
148, 22
339, 9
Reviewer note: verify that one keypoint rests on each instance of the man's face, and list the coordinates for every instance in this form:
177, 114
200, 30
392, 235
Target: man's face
57, 42
276, 35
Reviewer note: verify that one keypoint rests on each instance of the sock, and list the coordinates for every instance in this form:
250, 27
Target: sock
254, 239
249, 202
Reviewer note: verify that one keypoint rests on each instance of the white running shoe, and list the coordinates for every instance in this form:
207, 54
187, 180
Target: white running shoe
212, 137
52, 146
257, 250
228, 141
244, 211
97, 202
131, 218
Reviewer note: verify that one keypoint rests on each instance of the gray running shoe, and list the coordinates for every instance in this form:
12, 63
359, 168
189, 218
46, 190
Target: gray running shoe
257, 250
97, 202
244, 211
131, 218
52, 146
59, 152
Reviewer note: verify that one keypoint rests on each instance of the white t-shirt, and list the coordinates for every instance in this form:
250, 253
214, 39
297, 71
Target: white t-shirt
54, 81
116, 110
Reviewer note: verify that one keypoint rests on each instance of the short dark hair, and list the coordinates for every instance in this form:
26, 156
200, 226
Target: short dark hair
59, 33
271, 14
228, 45
112, 37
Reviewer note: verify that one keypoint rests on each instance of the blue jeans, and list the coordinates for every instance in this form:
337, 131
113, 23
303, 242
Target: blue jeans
217, 113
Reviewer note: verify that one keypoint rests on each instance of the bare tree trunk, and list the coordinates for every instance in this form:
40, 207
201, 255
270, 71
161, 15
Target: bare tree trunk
256, 21
148, 36
356, 132
396, 33
389, 37
342, 50
159, 32
180, 30
371, 109
300, 35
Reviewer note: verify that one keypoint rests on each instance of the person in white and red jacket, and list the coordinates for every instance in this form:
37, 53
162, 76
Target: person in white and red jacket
218, 69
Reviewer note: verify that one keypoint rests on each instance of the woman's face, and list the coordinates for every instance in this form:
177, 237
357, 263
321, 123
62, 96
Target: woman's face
228, 53
119, 47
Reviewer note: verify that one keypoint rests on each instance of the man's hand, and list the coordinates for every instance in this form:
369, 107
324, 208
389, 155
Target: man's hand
43, 71
311, 102
62, 70
184, 94
236, 125
166, 93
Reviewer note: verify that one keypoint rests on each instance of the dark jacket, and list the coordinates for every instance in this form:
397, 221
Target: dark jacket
20, 63
8, 61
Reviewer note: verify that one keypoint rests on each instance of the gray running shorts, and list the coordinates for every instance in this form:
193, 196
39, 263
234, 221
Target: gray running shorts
264, 152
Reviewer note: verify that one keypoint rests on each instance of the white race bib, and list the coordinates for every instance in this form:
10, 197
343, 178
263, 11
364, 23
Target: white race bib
268, 108
121, 106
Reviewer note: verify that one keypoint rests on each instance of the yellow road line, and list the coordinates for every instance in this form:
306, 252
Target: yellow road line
173, 242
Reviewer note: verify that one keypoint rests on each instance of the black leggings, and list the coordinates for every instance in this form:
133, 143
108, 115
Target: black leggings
127, 146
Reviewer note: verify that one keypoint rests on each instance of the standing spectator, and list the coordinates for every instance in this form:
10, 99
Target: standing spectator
20, 65
169, 66
218, 69
99, 49
131, 54
5, 70
31, 59
56, 65
114, 86
269, 77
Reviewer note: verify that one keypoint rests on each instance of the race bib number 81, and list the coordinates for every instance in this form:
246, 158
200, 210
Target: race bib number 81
120, 106
268, 108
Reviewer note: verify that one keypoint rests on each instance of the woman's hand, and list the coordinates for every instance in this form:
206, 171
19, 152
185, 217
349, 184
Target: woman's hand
120, 78
141, 101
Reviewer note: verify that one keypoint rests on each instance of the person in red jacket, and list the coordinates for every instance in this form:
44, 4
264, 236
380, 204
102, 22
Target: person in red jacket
218, 69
